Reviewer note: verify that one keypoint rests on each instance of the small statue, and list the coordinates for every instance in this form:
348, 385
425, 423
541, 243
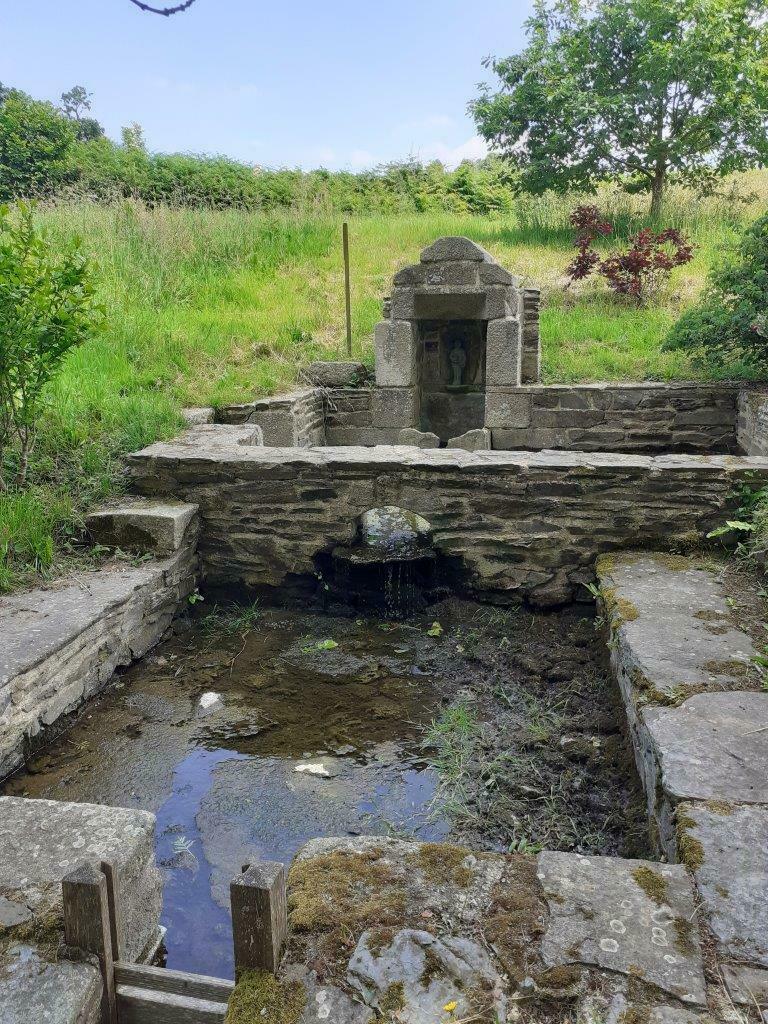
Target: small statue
457, 357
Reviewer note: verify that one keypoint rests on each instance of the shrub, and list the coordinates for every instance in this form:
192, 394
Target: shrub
35, 140
46, 309
637, 273
731, 319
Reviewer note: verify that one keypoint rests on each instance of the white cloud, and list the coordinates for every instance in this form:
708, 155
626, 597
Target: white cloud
473, 149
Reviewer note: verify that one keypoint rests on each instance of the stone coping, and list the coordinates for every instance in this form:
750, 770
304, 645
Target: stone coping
698, 719
206, 444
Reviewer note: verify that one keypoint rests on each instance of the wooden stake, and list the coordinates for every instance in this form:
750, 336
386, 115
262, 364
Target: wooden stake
348, 303
87, 927
259, 917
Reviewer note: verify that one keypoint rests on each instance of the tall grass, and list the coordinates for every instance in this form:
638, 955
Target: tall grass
209, 307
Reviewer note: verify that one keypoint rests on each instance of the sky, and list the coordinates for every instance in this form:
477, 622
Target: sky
338, 84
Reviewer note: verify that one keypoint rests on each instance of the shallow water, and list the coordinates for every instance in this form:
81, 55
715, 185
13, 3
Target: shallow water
248, 738
247, 743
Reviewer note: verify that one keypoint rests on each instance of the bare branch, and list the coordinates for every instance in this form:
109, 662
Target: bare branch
165, 11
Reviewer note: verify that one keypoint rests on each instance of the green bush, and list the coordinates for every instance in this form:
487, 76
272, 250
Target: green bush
47, 308
35, 140
730, 319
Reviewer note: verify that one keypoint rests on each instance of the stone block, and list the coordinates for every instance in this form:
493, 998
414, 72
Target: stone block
455, 247
366, 437
461, 273
336, 374
630, 917
418, 438
43, 840
156, 526
476, 440
198, 415
494, 273
746, 985
726, 847
396, 347
507, 410
503, 352
394, 407
402, 304
500, 301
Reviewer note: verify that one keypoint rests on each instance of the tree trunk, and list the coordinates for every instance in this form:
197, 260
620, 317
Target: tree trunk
657, 191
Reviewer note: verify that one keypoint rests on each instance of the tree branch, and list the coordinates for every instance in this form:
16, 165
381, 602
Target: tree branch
165, 11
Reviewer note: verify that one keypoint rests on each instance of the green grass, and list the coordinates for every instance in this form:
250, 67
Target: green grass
210, 307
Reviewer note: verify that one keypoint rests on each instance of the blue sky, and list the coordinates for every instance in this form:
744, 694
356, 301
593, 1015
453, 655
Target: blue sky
334, 84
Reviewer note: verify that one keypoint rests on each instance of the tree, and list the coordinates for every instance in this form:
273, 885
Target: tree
35, 139
75, 104
47, 308
644, 89
731, 319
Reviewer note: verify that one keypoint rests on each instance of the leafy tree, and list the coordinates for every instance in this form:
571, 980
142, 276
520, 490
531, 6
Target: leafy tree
34, 142
76, 103
731, 320
47, 308
645, 89
133, 137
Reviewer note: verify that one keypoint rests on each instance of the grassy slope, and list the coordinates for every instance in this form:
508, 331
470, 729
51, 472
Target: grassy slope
210, 307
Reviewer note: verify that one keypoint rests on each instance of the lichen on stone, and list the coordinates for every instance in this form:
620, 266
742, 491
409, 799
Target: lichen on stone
261, 998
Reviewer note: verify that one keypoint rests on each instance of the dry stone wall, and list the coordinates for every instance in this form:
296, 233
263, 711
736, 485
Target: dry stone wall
515, 525
295, 420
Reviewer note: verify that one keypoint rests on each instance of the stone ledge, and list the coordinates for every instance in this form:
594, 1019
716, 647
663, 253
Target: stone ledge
61, 645
33, 990
136, 525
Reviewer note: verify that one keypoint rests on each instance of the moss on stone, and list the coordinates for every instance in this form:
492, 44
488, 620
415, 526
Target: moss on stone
443, 864
619, 609
635, 1015
689, 849
392, 1000
560, 978
517, 915
733, 668
260, 998
720, 807
684, 933
652, 884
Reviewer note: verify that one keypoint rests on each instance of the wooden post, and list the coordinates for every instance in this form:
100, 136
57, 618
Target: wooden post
115, 909
347, 300
259, 917
87, 927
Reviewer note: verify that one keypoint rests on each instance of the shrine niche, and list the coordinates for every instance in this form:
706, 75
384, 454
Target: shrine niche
460, 334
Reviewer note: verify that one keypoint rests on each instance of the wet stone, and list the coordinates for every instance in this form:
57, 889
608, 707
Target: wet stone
629, 917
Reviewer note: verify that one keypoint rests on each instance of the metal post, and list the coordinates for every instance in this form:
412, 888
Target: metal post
348, 303
259, 917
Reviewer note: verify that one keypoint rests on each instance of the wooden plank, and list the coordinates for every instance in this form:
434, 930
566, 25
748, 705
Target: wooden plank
115, 908
87, 927
159, 979
140, 1006
259, 917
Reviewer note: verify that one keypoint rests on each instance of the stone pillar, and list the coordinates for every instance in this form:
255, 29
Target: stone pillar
531, 340
503, 353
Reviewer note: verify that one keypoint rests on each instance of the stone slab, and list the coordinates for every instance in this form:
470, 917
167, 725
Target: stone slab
503, 354
506, 409
43, 840
394, 407
679, 635
747, 986
726, 846
33, 991
629, 917
61, 645
136, 525
713, 747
